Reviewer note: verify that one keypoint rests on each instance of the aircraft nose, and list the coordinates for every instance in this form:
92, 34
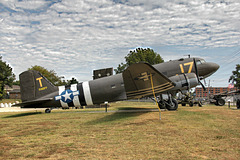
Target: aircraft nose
214, 67
207, 69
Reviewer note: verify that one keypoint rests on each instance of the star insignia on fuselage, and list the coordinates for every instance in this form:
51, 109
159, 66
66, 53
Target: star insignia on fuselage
67, 96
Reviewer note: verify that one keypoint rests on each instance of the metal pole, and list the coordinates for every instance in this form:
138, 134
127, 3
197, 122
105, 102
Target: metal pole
155, 97
106, 105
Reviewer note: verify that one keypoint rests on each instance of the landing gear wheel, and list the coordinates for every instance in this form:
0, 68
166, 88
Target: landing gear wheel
200, 104
161, 105
172, 106
191, 103
183, 104
221, 102
47, 110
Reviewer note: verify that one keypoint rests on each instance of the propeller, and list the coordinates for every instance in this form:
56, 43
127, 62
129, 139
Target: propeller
196, 70
205, 83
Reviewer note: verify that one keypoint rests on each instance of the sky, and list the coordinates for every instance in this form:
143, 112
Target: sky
74, 37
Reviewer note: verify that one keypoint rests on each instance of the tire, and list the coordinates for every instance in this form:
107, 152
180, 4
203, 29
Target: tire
238, 104
183, 104
221, 102
47, 110
191, 103
200, 104
161, 105
172, 107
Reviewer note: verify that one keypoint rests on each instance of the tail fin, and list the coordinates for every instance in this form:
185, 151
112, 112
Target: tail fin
34, 85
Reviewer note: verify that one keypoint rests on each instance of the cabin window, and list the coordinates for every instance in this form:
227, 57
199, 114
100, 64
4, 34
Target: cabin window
113, 86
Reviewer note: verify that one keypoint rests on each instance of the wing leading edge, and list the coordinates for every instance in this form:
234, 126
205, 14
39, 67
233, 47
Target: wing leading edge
137, 81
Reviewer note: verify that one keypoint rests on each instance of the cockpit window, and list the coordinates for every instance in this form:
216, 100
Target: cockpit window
201, 61
198, 62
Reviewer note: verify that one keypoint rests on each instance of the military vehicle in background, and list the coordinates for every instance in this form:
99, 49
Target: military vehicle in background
219, 99
190, 99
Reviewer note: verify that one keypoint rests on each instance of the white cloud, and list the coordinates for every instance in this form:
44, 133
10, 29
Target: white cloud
88, 34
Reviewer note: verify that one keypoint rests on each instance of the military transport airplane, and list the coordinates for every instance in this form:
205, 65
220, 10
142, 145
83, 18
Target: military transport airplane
137, 81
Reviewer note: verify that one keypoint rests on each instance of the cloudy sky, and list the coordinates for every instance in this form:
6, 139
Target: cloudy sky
73, 37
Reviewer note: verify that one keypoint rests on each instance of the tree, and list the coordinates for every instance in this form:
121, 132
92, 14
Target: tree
72, 81
6, 76
235, 77
138, 55
16, 82
50, 75
121, 67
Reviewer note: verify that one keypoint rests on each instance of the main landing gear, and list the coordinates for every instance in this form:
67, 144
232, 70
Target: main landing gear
170, 103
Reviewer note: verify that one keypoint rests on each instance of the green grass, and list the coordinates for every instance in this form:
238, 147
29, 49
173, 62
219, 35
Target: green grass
209, 132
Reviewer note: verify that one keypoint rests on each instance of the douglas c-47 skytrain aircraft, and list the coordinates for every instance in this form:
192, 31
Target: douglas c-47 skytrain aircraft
137, 81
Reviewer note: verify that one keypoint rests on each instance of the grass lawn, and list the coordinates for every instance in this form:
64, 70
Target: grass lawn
209, 132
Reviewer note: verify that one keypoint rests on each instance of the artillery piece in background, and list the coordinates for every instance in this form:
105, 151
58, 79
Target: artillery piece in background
220, 98
190, 99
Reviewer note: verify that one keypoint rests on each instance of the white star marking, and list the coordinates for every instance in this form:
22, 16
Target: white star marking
67, 96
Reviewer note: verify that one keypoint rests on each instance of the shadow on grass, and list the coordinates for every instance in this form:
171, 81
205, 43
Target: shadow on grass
124, 113
22, 114
136, 109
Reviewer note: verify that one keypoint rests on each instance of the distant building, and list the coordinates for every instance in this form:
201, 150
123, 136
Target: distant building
211, 91
13, 92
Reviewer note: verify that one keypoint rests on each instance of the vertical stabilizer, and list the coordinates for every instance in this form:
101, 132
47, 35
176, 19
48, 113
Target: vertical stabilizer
34, 85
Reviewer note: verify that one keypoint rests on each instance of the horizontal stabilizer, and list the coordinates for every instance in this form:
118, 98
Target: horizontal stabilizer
32, 104
137, 81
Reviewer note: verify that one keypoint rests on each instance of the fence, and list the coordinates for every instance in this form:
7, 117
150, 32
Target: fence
5, 105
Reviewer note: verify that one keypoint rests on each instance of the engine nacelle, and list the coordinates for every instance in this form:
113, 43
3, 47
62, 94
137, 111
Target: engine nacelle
184, 81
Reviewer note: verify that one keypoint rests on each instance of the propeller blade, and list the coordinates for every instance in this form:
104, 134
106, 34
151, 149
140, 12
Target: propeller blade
196, 70
205, 83
204, 88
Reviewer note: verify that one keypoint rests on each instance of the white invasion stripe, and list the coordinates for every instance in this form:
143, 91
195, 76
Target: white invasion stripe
76, 101
87, 93
57, 98
61, 89
76, 93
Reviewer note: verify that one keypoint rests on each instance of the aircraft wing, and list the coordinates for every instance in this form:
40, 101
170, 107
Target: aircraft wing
137, 81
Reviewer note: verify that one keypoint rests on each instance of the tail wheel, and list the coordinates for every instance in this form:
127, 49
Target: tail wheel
48, 110
172, 106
